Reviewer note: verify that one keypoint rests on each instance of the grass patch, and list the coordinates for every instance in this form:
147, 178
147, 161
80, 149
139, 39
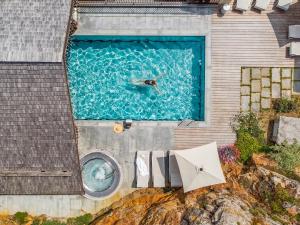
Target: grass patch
81, 220
53, 222
21, 217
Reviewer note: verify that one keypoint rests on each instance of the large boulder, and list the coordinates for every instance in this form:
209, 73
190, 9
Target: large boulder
231, 210
286, 129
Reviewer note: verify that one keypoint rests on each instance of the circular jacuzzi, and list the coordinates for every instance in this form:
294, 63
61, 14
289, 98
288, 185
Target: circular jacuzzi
101, 175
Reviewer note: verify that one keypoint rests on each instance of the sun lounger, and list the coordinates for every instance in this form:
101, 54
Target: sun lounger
295, 49
284, 4
294, 31
174, 173
142, 168
243, 5
158, 169
261, 4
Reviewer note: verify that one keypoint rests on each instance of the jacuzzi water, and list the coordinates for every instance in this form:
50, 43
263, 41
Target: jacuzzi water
97, 175
104, 74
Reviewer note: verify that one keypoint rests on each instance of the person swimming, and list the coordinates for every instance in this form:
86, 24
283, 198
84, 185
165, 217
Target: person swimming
150, 82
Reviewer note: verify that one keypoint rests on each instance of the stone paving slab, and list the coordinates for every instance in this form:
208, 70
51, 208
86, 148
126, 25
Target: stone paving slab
276, 75
246, 76
286, 72
265, 82
276, 90
260, 85
256, 73
255, 86
286, 84
245, 90
255, 97
286, 94
255, 106
265, 103
265, 72
245, 101
266, 92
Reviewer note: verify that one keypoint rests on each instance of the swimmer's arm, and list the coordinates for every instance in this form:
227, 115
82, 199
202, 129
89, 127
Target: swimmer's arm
156, 88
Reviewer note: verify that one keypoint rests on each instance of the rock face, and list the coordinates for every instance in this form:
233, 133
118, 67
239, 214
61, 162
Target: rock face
263, 179
234, 203
224, 210
231, 211
144, 207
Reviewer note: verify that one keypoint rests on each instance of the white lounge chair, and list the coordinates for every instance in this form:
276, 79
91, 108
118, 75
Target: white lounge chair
243, 5
142, 168
174, 173
158, 168
294, 31
295, 49
261, 4
284, 4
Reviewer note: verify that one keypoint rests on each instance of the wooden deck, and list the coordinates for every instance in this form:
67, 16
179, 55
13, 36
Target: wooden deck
248, 39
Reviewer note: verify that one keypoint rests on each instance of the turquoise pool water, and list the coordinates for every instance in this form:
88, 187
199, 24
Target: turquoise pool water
104, 74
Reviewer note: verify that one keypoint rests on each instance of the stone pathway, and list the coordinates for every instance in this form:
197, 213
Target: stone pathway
260, 85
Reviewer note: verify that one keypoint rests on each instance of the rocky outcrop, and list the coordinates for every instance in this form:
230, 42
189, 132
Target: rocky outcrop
144, 207
224, 210
239, 202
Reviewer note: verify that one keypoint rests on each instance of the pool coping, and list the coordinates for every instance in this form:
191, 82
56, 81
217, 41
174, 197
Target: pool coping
207, 92
181, 123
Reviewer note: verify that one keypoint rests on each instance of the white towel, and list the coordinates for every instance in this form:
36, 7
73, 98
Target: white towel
142, 167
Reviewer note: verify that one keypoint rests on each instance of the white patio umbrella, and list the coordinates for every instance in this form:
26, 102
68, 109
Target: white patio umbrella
199, 167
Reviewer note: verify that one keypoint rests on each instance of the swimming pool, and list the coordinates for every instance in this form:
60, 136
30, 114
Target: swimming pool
105, 75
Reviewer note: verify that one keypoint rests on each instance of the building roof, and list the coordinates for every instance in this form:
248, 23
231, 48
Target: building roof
38, 146
33, 30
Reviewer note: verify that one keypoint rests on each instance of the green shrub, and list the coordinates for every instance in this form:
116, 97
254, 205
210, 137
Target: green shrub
36, 222
286, 155
248, 122
297, 217
80, 220
247, 145
276, 199
53, 222
284, 105
277, 207
21, 217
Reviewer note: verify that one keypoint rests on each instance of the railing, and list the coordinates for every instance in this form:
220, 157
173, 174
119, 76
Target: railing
96, 3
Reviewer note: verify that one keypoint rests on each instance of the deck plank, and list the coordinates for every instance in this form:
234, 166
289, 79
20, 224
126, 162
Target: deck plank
248, 39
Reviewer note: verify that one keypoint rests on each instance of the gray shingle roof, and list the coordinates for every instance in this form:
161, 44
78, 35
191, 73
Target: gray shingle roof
33, 30
36, 131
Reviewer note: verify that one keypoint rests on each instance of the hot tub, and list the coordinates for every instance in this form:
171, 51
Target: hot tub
101, 175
